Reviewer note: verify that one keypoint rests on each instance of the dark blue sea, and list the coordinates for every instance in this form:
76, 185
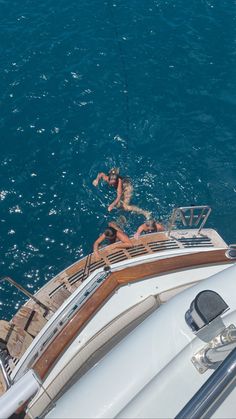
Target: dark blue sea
145, 85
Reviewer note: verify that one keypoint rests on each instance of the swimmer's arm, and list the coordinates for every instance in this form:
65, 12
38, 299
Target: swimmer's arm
99, 177
126, 242
96, 244
139, 231
118, 196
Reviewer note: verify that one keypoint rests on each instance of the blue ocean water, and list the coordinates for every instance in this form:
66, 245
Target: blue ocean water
148, 86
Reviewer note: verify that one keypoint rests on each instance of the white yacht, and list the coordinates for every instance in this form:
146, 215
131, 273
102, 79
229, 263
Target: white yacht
147, 331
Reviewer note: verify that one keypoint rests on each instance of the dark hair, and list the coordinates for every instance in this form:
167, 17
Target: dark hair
113, 176
109, 232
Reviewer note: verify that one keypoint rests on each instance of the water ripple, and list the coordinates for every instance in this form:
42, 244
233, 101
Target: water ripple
68, 73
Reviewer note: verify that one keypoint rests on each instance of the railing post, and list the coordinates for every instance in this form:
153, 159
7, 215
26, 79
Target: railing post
172, 221
207, 396
204, 220
189, 220
26, 292
7, 379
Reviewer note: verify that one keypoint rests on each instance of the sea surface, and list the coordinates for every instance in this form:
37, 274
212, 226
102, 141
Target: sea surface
148, 86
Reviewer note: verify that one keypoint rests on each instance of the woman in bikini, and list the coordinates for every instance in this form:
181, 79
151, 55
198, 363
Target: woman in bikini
150, 226
112, 234
124, 191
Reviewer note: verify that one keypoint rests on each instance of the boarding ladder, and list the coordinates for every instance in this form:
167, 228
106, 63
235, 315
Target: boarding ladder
191, 216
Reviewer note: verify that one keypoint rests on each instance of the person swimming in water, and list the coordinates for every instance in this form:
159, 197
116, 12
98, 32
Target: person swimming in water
150, 226
124, 190
112, 234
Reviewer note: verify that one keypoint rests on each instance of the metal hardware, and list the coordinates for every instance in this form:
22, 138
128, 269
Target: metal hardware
86, 267
3, 369
206, 307
216, 386
19, 393
190, 216
22, 289
216, 350
231, 252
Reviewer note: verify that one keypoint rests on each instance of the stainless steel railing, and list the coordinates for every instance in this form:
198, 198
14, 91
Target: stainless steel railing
5, 375
220, 384
192, 216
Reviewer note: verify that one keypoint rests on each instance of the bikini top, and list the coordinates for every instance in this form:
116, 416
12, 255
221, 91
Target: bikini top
151, 229
111, 238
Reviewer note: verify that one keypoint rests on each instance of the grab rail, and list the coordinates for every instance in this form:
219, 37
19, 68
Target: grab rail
18, 394
190, 216
207, 397
3, 370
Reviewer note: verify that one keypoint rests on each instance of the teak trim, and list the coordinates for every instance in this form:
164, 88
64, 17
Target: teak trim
108, 287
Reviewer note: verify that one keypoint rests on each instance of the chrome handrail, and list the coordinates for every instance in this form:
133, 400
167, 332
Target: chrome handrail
207, 397
191, 219
16, 397
5, 375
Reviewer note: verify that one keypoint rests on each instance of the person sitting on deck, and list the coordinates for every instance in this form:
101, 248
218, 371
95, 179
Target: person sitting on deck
124, 189
150, 226
112, 234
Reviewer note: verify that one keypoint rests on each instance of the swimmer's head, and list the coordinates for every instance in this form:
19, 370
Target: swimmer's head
113, 176
150, 222
109, 232
114, 171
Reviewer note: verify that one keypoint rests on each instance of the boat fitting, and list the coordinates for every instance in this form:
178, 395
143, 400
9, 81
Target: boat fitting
206, 306
231, 252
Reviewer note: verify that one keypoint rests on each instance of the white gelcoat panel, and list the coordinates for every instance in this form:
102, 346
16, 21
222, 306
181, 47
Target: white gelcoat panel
163, 338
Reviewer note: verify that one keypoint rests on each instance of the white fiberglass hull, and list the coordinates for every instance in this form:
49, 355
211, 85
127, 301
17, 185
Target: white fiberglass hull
150, 373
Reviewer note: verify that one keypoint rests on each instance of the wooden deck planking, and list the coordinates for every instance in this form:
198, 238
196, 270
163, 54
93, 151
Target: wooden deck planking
152, 243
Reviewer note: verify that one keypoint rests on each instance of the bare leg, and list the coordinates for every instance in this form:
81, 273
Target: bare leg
127, 195
137, 210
